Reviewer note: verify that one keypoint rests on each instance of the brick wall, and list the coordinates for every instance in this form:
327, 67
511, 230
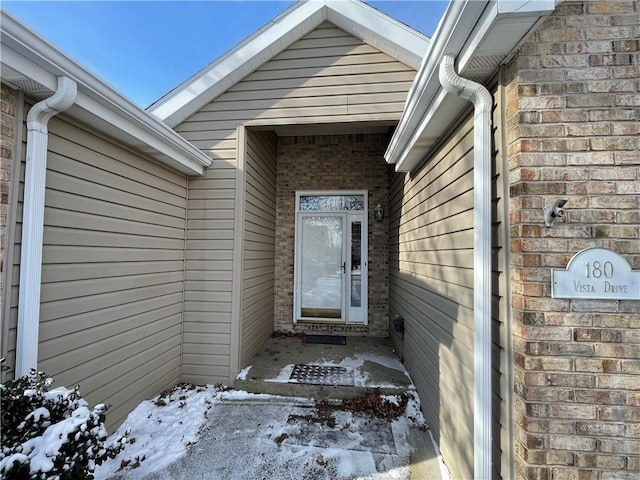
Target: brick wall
7, 125
332, 162
573, 102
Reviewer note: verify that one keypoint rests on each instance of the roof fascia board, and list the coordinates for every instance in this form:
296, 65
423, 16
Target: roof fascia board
167, 149
525, 6
26, 68
257, 49
373, 27
36, 59
462, 30
458, 19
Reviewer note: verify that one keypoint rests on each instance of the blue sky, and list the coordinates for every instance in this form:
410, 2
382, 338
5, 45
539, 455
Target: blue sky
146, 48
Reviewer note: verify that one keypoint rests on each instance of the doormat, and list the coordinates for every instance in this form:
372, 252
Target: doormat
321, 375
326, 339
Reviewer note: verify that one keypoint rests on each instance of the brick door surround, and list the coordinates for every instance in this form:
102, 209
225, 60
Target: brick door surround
332, 162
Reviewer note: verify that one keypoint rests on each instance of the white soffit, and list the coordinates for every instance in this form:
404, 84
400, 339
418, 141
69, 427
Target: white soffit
481, 35
353, 16
32, 65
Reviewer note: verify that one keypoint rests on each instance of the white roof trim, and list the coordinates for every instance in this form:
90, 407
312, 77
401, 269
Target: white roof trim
355, 17
481, 35
32, 64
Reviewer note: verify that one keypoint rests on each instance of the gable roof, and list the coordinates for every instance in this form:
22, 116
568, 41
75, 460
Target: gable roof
353, 16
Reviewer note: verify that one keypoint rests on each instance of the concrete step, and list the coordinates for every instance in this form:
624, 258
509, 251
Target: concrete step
289, 367
318, 392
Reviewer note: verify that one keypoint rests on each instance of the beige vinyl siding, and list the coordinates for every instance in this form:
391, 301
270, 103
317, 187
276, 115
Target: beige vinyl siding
208, 275
12, 127
259, 243
327, 76
431, 286
112, 274
13, 264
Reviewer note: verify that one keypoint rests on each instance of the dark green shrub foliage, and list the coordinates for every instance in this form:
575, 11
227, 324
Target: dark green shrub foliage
50, 433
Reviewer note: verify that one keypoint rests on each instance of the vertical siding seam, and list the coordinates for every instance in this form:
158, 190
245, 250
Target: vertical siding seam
184, 277
12, 215
506, 252
237, 269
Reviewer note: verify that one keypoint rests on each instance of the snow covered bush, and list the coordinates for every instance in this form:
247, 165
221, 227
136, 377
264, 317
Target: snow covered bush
50, 433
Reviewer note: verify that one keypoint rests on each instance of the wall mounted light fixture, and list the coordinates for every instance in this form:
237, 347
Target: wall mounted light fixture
378, 213
551, 212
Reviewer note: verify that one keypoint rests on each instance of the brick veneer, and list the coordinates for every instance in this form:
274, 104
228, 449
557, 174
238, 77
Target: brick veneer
8, 101
572, 128
332, 162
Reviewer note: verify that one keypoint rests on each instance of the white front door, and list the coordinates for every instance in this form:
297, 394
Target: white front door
331, 257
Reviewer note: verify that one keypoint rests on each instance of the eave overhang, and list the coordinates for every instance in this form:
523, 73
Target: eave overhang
481, 35
353, 16
33, 65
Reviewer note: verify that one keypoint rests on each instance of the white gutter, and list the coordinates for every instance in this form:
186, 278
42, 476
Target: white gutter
481, 34
33, 222
482, 102
29, 62
454, 30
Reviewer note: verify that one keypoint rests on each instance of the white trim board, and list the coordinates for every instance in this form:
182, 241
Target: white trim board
33, 65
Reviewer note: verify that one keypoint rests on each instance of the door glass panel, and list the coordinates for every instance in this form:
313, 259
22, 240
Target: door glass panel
322, 270
356, 264
331, 203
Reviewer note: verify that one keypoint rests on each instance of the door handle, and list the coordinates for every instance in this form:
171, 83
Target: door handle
342, 269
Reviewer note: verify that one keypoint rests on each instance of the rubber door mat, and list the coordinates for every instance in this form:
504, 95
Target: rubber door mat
326, 339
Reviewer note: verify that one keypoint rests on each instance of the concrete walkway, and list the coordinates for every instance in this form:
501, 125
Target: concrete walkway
292, 436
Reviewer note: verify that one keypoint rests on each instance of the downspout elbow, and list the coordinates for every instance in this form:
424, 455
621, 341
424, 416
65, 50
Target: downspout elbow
40, 114
33, 222
463, 87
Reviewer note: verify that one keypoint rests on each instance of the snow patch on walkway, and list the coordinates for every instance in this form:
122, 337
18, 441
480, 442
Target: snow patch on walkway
243, 373
213, 433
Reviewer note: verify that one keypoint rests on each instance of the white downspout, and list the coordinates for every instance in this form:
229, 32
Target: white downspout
33, 222
482, 102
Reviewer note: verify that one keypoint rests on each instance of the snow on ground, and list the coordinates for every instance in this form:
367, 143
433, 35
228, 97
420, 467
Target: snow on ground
208, 433
160, 430
283, 376
243, 373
